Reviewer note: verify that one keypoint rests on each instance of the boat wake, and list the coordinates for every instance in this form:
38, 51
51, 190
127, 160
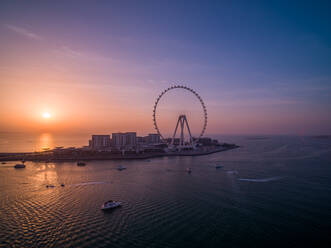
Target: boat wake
262, 180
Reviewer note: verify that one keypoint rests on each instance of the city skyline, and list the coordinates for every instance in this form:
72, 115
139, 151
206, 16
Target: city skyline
94, 68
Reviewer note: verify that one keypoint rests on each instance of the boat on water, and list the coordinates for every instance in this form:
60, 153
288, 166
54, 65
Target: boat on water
188, 170
110, 205
62, 184
80, 163
121, 167
50, 186
218, 166
19, 166
3, 163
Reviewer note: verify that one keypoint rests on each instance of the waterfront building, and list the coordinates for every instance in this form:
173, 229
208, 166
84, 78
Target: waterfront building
175, 141
207, 141
100, 142
140, 140
124, 140
153, 138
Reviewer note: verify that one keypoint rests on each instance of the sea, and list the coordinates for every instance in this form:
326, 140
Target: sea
273, 191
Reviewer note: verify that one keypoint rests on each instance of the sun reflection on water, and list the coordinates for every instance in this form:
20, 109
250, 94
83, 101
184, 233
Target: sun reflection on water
46, 173
45, 142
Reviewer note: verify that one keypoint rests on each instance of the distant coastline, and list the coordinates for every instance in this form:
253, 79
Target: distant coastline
257, 138
50, 157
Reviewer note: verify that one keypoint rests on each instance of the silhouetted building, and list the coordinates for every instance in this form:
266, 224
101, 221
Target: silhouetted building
208, 142
124, 140
153, 138
140, 140
99, 142
176, 141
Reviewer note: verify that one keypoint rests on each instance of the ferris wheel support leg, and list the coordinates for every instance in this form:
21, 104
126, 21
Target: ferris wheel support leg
189, 131
173, 136
182, 122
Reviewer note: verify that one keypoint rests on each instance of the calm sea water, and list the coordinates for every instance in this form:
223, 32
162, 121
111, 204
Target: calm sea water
273, 192
24, 142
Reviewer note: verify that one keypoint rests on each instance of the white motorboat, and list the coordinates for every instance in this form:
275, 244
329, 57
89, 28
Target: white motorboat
19, 166
110, 205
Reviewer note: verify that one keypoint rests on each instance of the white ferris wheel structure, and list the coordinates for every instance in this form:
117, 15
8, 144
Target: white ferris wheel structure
182, 121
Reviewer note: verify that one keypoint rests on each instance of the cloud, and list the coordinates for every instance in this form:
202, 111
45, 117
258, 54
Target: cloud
24, 32
67, 51
82, 55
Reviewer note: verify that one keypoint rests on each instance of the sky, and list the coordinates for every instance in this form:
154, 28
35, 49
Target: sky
261, 67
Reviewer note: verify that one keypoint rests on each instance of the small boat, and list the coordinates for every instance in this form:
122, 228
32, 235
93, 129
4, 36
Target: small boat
50, 186
218, 166
110, 205
188, 170
62, 185
80, 163
19, 166
120, 168
3, 163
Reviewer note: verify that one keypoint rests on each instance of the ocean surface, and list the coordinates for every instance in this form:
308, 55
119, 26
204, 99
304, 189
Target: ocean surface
24, 142
273, 191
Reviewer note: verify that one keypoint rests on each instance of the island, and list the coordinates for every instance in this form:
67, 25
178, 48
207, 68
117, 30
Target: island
101, 147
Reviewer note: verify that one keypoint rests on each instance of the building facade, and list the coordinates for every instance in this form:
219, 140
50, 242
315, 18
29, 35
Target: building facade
153, 138
99, 142
124, 140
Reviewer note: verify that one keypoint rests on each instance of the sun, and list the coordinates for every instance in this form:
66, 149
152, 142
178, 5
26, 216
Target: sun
46, 115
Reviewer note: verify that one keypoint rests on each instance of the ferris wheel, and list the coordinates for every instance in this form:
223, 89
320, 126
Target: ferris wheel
182, 119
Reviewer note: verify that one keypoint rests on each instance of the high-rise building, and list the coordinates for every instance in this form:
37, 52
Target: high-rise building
100, 142
124, 140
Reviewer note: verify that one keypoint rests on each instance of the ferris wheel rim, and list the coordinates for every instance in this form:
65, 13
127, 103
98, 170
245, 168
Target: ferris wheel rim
194, 93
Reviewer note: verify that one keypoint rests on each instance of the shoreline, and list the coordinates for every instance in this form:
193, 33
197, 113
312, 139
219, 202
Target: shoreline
47, 157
